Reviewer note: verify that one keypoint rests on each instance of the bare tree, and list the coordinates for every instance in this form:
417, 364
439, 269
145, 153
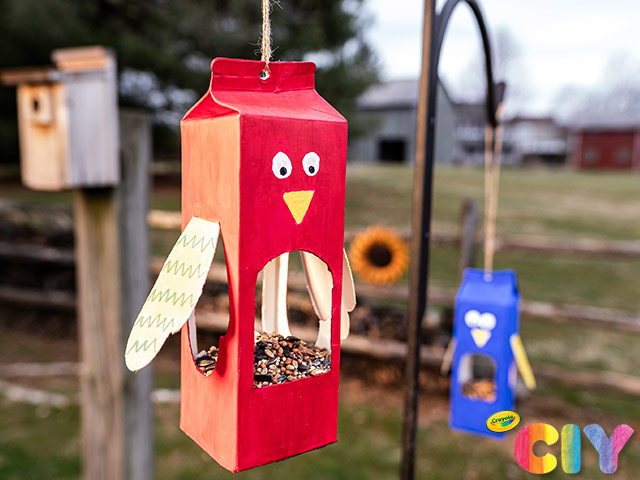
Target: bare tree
507, 65
615, 95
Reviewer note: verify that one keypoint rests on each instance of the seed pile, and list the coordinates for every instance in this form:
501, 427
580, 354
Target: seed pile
480, 389
206, 360
279, 359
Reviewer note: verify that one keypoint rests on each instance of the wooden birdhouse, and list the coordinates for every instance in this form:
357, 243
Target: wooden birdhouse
487, 350
263, 164
67, 120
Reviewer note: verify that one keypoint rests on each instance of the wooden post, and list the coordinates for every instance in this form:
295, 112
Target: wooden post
133, 205
99, 302
467, 236
112, 251
69, 139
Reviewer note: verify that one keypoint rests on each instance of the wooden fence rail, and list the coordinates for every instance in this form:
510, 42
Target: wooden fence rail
376, 349
170, 220
585, 315
162, 219
381, 349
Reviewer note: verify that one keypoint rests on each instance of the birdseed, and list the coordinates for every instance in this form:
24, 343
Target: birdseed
206, 360
277, 359
480, 389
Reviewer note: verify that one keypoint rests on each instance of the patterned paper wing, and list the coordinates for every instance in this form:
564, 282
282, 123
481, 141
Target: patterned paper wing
175, 293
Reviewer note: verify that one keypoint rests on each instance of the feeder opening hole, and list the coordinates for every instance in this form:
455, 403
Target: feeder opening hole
279, 356
477, 377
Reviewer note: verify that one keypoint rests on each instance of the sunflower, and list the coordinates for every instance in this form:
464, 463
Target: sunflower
379, 255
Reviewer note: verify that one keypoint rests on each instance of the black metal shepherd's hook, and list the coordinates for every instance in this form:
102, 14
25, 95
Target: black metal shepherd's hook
434, 29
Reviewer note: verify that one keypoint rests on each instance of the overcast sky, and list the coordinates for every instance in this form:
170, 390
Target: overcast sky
563, 42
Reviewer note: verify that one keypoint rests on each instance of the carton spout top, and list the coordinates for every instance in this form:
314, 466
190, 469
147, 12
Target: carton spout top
248, 75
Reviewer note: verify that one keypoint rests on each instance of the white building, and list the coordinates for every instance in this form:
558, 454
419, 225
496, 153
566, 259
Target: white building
535, 140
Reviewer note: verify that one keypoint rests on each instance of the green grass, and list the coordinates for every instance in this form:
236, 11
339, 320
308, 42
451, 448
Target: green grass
40, 442
33, 197
564, 345
554, 203
367, 448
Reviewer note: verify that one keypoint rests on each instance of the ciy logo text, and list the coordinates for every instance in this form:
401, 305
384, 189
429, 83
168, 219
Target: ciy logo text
607, 448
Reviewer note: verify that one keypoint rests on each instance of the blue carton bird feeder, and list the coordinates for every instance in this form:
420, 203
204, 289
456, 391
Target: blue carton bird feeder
487, 350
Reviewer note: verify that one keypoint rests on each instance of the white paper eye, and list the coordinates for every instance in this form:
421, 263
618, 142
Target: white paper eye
281, 165
311, 163
487, 321
471, 318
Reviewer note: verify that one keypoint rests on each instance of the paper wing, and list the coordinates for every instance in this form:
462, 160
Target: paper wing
175, 293
274, 296
522, 361
320, 284
447, 358
348, 295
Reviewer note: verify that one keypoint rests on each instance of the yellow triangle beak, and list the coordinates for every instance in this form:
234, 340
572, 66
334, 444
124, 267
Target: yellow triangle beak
480, 337
298, 203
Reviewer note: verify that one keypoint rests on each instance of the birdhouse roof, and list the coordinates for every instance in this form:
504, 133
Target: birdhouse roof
68, 62
287, 92
28, 75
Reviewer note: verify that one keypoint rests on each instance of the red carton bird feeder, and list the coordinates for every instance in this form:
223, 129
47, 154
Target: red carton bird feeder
263, 164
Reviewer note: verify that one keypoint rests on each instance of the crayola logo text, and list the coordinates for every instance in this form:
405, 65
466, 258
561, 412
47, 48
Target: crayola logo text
607, 448
503, 421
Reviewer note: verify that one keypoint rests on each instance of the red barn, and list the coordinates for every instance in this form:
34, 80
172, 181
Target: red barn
610, 147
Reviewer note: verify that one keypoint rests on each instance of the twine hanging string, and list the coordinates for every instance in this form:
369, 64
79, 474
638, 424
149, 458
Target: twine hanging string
492, 159
266, 36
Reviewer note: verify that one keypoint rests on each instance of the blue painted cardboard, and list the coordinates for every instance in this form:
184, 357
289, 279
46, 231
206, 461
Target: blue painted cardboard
499, 299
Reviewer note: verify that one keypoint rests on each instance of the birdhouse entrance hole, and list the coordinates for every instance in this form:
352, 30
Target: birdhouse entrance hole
38, 105
477, 377
279, 356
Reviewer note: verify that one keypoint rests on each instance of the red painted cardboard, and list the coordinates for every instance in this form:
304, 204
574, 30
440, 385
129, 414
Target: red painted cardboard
229, 139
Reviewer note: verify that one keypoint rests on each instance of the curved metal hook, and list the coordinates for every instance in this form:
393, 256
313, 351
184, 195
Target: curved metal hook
442, 21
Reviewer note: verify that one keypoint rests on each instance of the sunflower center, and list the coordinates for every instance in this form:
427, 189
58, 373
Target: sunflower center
379, 255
